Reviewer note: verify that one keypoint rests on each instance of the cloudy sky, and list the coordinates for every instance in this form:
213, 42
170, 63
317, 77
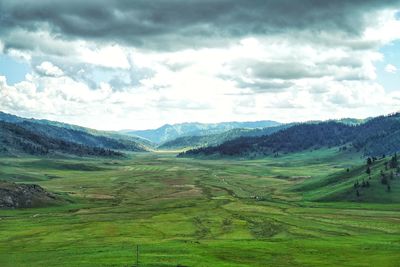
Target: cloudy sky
141, 63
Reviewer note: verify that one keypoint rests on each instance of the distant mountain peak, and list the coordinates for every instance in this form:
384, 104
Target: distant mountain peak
169, 132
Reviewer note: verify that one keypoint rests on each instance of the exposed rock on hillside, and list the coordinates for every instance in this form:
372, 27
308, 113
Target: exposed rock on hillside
14, 195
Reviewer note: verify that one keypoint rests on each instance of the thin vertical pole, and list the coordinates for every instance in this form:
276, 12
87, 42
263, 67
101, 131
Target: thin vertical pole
137, 255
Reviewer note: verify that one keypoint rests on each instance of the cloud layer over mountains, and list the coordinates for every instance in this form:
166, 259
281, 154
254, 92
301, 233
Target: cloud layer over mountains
171, 61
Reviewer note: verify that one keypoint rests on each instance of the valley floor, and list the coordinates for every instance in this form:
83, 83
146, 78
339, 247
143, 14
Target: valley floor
191, 212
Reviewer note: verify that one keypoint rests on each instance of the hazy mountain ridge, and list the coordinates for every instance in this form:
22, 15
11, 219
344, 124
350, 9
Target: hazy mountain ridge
216, 139
169, 132
196, 141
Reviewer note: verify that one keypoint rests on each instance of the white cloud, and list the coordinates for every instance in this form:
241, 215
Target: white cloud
47, 68
107, 56
387, 29
390, 68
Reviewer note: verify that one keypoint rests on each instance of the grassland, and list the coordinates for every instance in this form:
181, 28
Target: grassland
203, 212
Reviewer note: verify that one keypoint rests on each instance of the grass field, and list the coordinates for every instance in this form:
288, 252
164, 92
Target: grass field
191, 212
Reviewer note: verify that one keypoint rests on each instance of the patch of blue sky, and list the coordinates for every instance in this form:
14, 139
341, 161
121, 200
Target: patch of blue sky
390, 81
118, 79
13, 69
397, 15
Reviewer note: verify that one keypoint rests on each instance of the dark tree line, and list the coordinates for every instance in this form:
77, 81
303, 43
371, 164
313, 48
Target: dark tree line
375, 137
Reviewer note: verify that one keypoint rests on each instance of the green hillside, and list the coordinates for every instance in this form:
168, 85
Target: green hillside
374, 137
382, 185
76, 134
16, 140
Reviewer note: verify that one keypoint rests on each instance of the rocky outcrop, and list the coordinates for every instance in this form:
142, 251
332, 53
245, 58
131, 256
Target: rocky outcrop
14, 195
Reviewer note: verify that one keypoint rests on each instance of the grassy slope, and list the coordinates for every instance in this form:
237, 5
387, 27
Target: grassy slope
195, 213
339, 186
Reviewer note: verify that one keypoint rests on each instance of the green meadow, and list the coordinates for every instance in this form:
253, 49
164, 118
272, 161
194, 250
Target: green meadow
294, 210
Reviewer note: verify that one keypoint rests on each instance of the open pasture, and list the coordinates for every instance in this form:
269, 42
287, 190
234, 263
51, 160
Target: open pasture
187, 212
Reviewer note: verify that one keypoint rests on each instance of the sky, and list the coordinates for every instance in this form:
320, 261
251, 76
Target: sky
139, 64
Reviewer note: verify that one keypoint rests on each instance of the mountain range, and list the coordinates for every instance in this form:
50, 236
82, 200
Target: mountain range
186, 142
170, 132
371, 137
196, 141
43, 137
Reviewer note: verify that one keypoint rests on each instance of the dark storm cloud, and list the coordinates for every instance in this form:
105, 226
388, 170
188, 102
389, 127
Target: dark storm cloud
175, 24
260, 73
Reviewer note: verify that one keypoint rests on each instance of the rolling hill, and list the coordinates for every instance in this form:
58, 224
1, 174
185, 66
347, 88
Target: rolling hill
354, 184
74, 134
16, 140
377, 136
